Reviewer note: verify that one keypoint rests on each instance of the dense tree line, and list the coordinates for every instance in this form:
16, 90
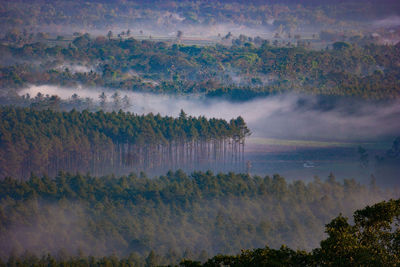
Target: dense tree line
46, 141
176, 216
239, 72
163, 14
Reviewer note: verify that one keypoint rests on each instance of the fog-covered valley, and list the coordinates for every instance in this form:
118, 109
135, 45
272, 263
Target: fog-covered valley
286, 116
199, 133
298, 136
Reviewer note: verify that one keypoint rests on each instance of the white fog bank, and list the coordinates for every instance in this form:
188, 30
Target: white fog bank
273, 117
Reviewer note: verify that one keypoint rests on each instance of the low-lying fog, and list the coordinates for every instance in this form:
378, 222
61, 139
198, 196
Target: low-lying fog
170, 29
287, 116
391, 21
297, 136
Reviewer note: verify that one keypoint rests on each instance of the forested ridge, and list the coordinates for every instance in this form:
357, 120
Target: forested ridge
46, 141
100, 14
176, 216
238, 72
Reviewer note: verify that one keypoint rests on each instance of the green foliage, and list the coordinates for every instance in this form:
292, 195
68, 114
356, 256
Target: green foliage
288, 14
178, 213
372, 241
341, 46
45, 141
237, 72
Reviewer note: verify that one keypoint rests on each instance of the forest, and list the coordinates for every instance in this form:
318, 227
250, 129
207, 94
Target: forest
236, 72
110, 46
199, 133
350, 58
97, 14
179, 216
46, 141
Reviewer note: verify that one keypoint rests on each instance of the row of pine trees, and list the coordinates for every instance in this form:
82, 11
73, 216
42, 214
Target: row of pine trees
48, 141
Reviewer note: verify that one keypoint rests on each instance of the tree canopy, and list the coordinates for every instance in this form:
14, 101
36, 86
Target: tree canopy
151, 222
